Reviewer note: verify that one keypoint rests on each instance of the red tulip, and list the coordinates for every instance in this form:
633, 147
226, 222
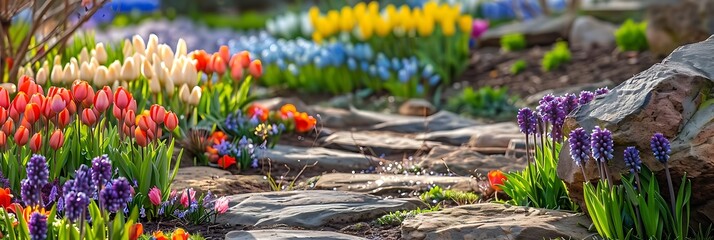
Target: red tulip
8, 126
129, 118
88, 117
89, 100
171, 121
209, 64
117, 112
244, 59
109, 93
145, 123
52, 91
256, 68
32, 113
224, 52
226, 161
58, 104
237, 72
37, 99
36, 142
63, 118
22, 135
219, 65
27, 85
122, 98
3, 115
3, 139
25, 123
14, 114
10, 62
101, 101
80, 90
4, 98
136, 231
141, 137
65, 95
202, 59
20, 101
496, 178
132, 105
158, 113
57, 139
72, 107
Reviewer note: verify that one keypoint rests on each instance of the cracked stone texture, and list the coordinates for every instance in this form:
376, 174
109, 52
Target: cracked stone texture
392, 184
280, 234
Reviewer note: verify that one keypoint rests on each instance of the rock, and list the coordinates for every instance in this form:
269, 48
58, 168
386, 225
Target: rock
219, 182
417, 107
392, 184
494, 139
309, 209
354, 118
463, 135
378, 142
588, 32
441, 121
676, 23
496, 221
533, 99
326, 159
538, 31
280, 234
464, 161
666, 98
274, 104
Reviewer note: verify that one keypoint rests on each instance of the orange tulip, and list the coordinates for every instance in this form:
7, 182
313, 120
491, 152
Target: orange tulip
27, 85
145, 123
304, 122
20, 101
122, 98
180, 234
8, 126
57, 139
129, 118
159, 235
218, 137
45, 107
171, 121
288, 109
219, 65
236, 72
496, 178
32, 113
258, 110
209, 64
36, 142
244, 59
202, 59
4, 98
72, 107
5, 198
136, 231
141, 137
3, 115
22, 135
101, 101
88, 117
224, 52
63, 118
256, 68
158, 113
3, 139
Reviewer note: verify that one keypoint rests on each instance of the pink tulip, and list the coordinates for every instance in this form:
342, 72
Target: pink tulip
479, 27
221, 205
185, 199
155, 196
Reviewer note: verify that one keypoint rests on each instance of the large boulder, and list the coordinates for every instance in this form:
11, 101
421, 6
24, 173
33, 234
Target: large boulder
674, 23
666, 98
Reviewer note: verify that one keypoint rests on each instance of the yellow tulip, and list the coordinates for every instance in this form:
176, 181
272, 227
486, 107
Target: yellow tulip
465, 24
448, 27
366, 28
313, 13
347, 22
359, 10
317, 37
333, 21
382, 27
373, 8
430, 8
425, 26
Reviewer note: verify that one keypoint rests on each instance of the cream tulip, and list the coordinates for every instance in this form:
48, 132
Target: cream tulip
85, 72
127, 70
190, 73
195, 96
71, 73
139, 46
58, 60
128, 48
83, 55
169, 87
57, 75
184, 93
177, 77
94, 64
21, 71
165, 74
181, 49
101, 53
138, 59
100, 76
113, 74
153, 46
166, 54
154, 85
41, 77
147, 70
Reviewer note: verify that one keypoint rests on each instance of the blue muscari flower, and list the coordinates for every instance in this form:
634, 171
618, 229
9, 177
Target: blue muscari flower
37, 225
293, 69
420, 89
579, 142
364, 66
372, 70
382, 61
351, 64
403, 75
660, 147
60, 205
632, 159
281, 64
427, 72
601, 144
383, 73
142, 212
434, 80
396, 65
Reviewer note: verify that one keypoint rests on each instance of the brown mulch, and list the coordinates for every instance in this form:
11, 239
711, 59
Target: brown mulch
490, 67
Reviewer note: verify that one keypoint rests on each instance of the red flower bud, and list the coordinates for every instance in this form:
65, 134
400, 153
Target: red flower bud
57, 139
36, 142
171, 121
22, 135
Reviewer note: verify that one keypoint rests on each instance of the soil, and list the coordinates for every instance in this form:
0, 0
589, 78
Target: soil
491, 67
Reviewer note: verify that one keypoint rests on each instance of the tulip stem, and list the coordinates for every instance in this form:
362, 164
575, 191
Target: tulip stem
671, 189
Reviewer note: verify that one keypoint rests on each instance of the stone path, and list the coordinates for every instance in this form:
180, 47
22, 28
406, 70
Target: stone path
464, 161
392, 184
218, 181
279, 234
326, 159
310, 209
378, 142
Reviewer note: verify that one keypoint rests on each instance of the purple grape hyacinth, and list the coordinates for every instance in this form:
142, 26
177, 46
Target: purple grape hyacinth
660, 147
579, 142
37, 226
601, 143
553, 113
601, 91
586, 97
101, 171
116, 195
569, 102
37, 177
83, 181
527, 121
632, 159
74, 204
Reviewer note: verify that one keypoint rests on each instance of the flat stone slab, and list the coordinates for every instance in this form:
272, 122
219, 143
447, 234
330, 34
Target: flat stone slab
464, 160
310, 209
392, 184
326, 159
280, 234
496, 221
218, 181
378, 142
440, 121
461, 136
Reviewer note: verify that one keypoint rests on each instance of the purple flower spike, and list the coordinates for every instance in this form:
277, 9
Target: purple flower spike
586, 97
116, 195
527, 121
74, 204
37, 226
569, 102
601, 143
553, 113
632, 159
37, 171
660, 147
101, 171
579, 146
83, 181
601, 91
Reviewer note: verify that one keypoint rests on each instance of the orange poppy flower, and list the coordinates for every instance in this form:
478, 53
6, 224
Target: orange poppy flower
159, 235
226, 161
136, 231
5, 197
261, 111
304, 122
180, 234
496, 178
217, 137
287, 109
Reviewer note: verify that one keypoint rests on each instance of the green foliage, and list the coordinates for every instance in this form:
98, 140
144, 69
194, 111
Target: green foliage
221, 99
396, 218
518, 67
632, 36
539, 185
556, 57
250, 20
436, 195
487, 102
513, 42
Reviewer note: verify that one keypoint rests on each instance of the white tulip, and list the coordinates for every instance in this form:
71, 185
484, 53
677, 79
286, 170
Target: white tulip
57, 75
184, 93
83, 55
94, 64
71, 73
58, 60
41, 76
181, 49
147, 70
154, 85
127, 71
138, 59
139, 46
190, 73
100, 76
176, 76
166, 54
113, 73
128, 48
85, 72
21, 71
153, 46
195, 97
101, 53
169, 87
